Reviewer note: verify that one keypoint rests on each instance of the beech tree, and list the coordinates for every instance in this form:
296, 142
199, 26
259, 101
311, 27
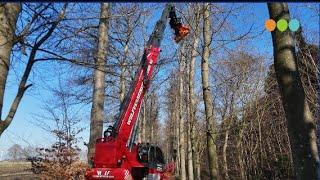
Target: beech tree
181, 116
207, 96
301, 123
97, 110
9, 13
191, 145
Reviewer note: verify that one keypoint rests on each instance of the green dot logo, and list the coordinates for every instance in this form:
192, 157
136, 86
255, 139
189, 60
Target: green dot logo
294, 25
282, 25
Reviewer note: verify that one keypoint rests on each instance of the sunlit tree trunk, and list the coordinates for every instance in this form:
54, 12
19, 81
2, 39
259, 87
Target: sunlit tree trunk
9, 13
144, 122
207, 96
181, 118
177, 135
122, 74
301, 123
240, 154
97, 110
224, 154
192, 121
189, 132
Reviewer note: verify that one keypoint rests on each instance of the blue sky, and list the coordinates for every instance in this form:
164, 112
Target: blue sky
23, 132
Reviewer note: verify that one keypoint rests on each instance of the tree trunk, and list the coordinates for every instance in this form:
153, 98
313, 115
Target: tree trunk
189, 133
8, 17
228, 124
9, 13
189, 152
240, 150
122, 74
191, 126
177, 132
207, 96
97, 110
122, 85
151, 117
144, 122
224, 154
301, 124
198, 167
181, 119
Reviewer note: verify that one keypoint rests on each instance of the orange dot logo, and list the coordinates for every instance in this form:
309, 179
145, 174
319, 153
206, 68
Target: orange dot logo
270, 25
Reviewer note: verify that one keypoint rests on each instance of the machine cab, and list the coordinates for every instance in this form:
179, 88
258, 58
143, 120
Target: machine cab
151, 156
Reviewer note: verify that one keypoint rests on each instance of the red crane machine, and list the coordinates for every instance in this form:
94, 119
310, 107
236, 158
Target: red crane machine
116, 156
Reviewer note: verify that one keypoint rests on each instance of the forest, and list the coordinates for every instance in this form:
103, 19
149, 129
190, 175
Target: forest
231, 100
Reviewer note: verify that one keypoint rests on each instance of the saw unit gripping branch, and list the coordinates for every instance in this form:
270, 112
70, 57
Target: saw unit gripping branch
180, 30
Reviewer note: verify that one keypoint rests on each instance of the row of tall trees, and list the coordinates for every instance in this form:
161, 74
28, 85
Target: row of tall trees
214, 106
248, 130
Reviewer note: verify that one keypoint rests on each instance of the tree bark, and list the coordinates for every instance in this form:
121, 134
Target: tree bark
198, 167
181, 118
189, 131
189, 152
192, 121
301, 123
207, 96
239, 146
97, 110
144, 121
177, 134
122, 74
228, 123
224, 154
9, 13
